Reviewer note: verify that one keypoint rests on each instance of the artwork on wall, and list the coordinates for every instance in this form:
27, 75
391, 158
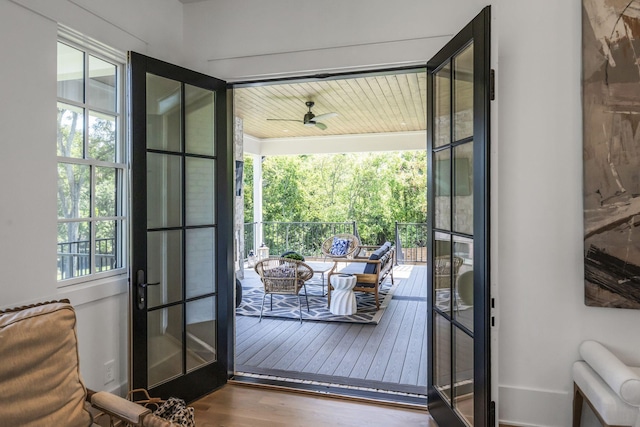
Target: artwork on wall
611, 152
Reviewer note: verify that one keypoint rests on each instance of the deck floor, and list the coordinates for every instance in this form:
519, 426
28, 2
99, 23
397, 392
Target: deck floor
388, 356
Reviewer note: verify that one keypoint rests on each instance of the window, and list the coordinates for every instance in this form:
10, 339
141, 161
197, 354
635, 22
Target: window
91, 164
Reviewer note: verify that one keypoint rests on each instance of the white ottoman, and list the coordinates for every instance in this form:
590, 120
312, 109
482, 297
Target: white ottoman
343, 300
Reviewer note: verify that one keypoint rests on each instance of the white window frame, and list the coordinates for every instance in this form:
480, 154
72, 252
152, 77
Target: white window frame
122, 164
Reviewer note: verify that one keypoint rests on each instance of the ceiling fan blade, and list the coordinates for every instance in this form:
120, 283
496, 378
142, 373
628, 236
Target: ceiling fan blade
322, 126
285, 120
324, 116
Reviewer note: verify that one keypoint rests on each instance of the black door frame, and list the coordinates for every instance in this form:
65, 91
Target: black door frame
203, 380
478, 32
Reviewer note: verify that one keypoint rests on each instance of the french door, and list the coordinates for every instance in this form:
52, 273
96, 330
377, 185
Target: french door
458, 98
182, 243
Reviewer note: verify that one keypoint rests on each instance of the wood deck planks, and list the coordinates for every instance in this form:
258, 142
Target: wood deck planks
392, 352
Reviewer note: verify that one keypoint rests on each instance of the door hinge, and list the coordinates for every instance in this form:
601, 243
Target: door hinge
492, 84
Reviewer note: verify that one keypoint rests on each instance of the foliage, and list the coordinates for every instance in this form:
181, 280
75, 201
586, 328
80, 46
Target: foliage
293, 255
374, 189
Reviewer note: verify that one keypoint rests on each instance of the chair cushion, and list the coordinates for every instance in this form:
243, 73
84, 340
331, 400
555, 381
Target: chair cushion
40, 381
339, 246
376, 255
608, 404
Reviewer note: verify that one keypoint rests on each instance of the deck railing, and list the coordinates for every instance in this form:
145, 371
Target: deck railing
74, 258
306, 238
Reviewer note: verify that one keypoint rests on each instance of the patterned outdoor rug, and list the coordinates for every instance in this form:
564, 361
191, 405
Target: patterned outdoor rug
286, 306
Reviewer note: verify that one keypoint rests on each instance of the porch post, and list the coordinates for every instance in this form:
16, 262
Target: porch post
257, 199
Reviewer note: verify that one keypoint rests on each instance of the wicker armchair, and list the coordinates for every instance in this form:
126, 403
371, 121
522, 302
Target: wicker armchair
351, 250
443, 268
283, 276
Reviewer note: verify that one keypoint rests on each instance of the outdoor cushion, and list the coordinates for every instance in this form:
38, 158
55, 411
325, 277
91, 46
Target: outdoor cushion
353, 268
376, 255
339, 246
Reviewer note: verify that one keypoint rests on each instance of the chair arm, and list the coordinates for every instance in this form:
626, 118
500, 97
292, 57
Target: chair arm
120, 408
622, 379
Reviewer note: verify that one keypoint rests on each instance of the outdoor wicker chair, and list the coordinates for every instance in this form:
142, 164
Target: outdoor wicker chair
443, 268
283, 276
341, 246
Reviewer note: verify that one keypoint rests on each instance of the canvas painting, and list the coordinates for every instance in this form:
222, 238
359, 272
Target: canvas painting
611, 150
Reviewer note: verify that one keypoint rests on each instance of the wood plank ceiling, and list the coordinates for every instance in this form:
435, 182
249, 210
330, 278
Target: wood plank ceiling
372, 104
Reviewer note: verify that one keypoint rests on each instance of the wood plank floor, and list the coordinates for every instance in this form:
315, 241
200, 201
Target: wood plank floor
389, 356
243, 406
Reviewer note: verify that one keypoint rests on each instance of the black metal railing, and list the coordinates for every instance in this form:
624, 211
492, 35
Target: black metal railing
74, 258
411, 242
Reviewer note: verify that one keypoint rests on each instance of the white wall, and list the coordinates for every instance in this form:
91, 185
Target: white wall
28, 35
537, 254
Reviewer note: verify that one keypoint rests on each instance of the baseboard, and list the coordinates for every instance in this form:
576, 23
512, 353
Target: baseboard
527, 407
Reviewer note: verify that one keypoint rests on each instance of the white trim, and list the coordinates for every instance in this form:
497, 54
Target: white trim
101, 49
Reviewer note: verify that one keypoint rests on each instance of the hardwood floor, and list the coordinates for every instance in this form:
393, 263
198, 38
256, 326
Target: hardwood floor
244, 406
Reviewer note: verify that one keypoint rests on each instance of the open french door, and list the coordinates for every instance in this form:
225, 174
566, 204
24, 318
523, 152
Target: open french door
458, 99
181, 222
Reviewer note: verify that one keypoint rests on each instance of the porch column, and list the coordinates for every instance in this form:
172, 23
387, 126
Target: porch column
257, 199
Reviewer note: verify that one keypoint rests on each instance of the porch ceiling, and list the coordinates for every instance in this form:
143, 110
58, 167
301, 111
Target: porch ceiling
372, 104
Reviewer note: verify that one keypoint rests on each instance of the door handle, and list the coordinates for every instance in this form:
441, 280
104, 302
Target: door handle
141, 286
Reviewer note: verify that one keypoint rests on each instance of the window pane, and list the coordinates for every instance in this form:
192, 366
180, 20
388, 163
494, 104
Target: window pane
105, 196
201, 332
464, 376
163, 114
164, 266
102, 84
70, 73
200, 260
463, 188
442, 356
107, 245
74, 191
74, 250
463, 281
70, 131
102, 137
442, 121
463, 100
200, 191
164, 344
199, 120
164, 190
442, 170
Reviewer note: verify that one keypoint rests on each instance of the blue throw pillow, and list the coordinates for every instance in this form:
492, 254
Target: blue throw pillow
339, 246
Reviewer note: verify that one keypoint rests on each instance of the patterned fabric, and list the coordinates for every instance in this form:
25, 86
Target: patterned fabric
339, 246
176, 411
280, 271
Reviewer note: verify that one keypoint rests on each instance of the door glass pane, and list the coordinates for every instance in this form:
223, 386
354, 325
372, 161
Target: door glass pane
463, 188
164, 102
70, 73
199, 120
464, 376
200, 261
107, 242
164, 266
74, 190
442, 113
200, 191
74, 249
164, 190
463, 88
201, 332
442, 356
442, 170
463, 280
442, 271
102, 84
102, 137
164, 344
70, 139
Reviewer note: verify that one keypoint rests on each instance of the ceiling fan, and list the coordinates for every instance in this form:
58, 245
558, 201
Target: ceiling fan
311, 119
